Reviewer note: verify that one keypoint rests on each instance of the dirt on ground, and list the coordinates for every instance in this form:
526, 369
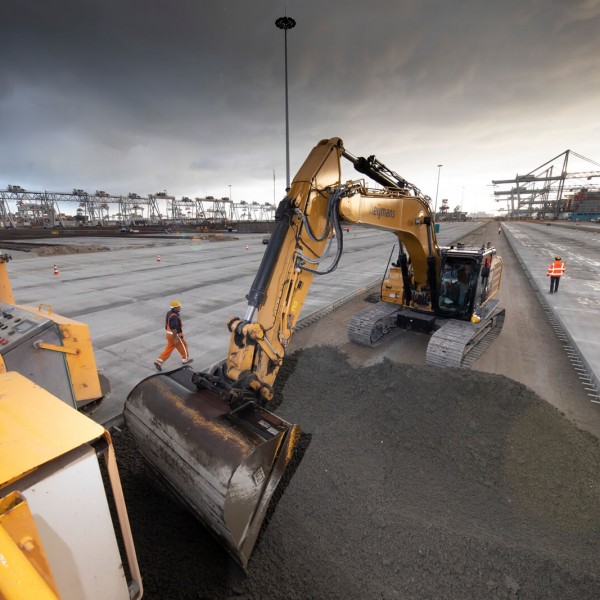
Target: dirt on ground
413, 483
57, 250
215, 237
52, 249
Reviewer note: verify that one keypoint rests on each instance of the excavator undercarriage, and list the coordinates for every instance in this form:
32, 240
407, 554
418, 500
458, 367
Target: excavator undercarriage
452, 343
460, 343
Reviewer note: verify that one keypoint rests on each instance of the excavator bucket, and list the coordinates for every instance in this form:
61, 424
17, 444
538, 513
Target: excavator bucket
223, 464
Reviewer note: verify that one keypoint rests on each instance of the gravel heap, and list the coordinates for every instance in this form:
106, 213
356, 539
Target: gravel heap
415, 482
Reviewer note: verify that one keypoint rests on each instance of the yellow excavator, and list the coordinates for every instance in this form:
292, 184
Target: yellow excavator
208, 436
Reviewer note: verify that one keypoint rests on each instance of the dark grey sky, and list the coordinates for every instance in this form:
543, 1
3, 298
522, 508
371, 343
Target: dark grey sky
188, 95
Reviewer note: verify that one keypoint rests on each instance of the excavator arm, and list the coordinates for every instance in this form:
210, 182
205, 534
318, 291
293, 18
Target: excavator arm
308, 220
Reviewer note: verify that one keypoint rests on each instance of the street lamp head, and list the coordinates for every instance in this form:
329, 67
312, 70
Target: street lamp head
285, 23
440, 166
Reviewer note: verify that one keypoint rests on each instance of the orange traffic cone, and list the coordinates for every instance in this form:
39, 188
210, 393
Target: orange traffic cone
158, 258
56, 270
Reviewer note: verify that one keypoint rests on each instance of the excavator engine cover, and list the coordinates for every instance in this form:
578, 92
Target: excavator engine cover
223, 464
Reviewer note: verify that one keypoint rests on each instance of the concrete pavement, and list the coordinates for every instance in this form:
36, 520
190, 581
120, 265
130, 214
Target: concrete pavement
575, 310
123, 293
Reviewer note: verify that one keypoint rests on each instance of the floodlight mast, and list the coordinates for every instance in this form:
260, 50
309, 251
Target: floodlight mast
286, 23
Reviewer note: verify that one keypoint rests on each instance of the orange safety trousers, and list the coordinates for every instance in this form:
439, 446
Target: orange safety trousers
174, 342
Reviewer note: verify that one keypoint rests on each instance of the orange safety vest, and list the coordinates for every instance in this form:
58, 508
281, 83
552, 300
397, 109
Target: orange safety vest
556, 269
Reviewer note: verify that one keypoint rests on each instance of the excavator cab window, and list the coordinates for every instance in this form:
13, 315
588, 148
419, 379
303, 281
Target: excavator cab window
457, 286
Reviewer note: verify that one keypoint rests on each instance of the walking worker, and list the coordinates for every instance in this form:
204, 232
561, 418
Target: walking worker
555, 270
174, 335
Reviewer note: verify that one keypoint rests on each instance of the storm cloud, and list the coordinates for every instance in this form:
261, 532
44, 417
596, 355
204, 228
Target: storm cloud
188, 96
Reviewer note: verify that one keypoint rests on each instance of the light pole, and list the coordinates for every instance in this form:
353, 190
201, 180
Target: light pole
229, 192
461, 199
437, 190
286, 23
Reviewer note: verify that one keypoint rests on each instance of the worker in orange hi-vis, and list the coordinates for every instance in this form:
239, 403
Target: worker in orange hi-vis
555, 270
174, 335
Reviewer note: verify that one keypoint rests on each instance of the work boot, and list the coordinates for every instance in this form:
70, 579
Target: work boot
158, 365
185, 361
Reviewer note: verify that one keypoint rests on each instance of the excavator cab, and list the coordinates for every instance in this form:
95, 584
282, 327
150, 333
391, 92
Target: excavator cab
469, 282
458, 286
464, 283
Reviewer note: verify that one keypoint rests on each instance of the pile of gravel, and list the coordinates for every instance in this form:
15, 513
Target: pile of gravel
415, 482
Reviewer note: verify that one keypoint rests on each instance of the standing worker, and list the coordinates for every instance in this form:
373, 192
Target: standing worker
174, 337
555, 270
485, 270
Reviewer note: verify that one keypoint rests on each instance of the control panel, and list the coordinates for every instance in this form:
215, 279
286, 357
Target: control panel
17, 325
32, 344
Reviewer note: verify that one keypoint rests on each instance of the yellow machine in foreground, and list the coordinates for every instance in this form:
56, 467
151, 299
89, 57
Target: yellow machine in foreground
208, 436
53, 351
57, 538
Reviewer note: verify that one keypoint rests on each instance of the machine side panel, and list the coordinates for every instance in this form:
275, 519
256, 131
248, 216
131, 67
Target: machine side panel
46, 368
68, 502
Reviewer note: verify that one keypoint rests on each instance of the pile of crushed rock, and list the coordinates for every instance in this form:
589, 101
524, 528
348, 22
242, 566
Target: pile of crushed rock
414, 482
